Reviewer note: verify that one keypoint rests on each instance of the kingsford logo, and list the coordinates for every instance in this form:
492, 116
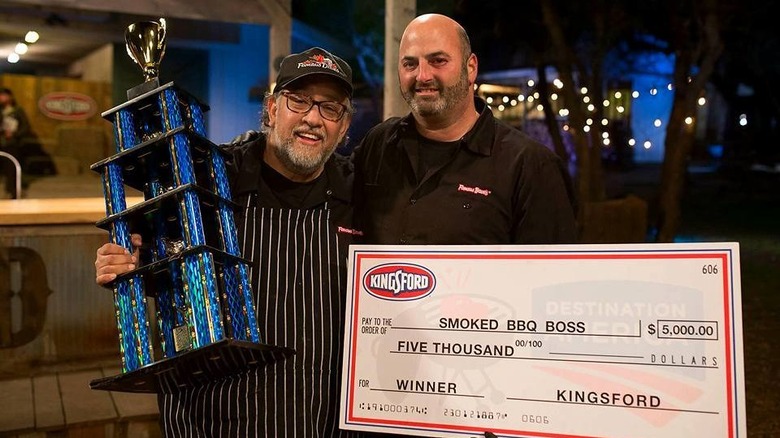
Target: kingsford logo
399, 282
66, 105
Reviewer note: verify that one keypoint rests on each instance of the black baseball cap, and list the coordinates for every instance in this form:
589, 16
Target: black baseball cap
315, 61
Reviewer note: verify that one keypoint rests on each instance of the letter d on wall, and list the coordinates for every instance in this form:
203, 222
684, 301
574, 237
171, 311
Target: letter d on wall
22, 277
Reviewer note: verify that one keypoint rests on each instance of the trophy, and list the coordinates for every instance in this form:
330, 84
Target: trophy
190, 264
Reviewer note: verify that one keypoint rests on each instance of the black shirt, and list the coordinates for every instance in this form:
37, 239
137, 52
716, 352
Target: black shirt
499, 187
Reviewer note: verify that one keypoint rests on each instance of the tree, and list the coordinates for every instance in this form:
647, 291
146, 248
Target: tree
694, 36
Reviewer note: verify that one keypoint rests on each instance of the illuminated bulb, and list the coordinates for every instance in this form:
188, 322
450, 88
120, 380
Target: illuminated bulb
743, 120
565, 127
531, 82
631, 142
688, 120
604, 122
657, 123
606, 142
618, 94
605, 103
539, 107
605, 135
586, 128
554, 96
669, 86
647, 144
635, 94
584, 90
31, 37
13, 58
536, 95
621, 109
702, 101
653, 91
530, 99
513, 102
589, 122
591, 107
558, 83
563, 112
505, 99
489, 100
585, 99
21, 48
520, 97
501, 107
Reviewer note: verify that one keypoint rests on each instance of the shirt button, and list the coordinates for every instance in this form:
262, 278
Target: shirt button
467, 206
329, 192
412, 201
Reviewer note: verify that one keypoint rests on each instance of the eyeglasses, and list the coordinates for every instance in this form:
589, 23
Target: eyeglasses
302, 104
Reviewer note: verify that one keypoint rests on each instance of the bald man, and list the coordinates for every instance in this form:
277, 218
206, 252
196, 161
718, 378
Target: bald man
449, 172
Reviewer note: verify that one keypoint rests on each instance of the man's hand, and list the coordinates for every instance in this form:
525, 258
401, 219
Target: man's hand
113, 260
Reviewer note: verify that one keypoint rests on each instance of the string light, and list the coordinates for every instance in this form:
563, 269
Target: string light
618, 94
584, 90
657, 123
702, 101
586, 99
586, 128
489, 100
605, 103
635, 94
688, 120
554, 96
31, 37
558, 83
743, 120
631, 142
21, 48
531, 83
653, 91
647, 144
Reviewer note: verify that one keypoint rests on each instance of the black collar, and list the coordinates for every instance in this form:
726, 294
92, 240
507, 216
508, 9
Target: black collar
479, 139
247, 166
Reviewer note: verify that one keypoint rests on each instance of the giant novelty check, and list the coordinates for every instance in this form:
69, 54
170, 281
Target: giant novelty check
545, 341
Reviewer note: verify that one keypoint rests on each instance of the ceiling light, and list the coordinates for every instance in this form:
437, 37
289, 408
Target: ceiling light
31, 37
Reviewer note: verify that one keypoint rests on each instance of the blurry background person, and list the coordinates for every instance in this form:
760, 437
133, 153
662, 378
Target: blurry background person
18, 139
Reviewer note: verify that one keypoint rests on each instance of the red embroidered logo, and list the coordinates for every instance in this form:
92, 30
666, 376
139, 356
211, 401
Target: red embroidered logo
350, 231
321, 61
475, 190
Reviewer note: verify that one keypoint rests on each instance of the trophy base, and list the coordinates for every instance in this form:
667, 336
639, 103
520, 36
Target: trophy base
146, 87
197, 367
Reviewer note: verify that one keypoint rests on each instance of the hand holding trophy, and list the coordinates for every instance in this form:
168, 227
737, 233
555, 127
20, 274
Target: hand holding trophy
193, 269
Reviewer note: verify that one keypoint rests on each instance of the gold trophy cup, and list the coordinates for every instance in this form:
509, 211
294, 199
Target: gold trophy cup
145, 43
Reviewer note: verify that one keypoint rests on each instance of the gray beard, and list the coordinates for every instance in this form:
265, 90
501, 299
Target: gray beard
299, 163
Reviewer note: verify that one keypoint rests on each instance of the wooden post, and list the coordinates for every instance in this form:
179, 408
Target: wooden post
398, 14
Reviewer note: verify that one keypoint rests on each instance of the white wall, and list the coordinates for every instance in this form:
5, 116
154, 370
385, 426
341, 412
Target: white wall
98, 66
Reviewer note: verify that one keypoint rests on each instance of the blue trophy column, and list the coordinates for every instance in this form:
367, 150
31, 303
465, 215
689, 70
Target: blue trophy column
129, 297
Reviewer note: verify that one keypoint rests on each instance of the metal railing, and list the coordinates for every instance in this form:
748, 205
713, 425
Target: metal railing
18, 173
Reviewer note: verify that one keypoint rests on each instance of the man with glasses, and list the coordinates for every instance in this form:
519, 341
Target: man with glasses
296, 226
